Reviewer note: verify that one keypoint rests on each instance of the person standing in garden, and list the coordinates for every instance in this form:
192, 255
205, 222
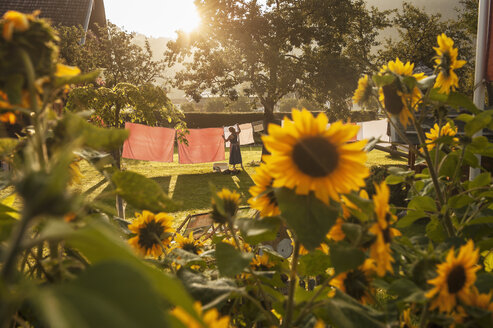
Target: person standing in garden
234, 149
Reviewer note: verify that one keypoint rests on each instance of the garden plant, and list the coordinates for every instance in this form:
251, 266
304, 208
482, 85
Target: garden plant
357, 261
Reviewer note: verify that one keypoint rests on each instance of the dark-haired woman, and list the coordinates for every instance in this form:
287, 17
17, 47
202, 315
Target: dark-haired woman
234, 149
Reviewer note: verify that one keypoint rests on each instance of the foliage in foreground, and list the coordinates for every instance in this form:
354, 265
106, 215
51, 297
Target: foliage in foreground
357, 260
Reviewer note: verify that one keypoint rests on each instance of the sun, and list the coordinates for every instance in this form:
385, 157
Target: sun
189, 17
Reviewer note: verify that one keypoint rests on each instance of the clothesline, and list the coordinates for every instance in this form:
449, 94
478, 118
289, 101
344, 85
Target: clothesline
207, 145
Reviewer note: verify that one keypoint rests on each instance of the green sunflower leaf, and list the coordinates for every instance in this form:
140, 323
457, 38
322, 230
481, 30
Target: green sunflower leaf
314, 263
459, 100
230, 261
102, 297
73, 126
98, 243
141, 192
308, 216
345, 257
255, 231
7, 145
382, 80
480, 121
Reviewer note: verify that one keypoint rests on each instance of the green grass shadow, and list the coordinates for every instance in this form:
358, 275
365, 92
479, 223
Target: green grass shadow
194, 192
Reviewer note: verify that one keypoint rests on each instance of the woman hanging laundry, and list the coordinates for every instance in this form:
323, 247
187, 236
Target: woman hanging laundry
234, 149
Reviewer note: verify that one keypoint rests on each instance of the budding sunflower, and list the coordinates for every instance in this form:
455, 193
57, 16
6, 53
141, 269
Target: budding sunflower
225, 205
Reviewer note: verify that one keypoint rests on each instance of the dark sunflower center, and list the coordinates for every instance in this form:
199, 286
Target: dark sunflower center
445, 65
356, 283
386, 236
392, 101
456, 279
190, 247
230, 207
315, 156
148, 233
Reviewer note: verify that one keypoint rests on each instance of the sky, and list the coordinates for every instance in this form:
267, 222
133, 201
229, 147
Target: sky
161, 18
153, 18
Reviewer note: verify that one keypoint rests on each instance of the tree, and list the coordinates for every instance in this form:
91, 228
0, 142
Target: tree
271, 50
418, 33
112, 50
125, 102
214, 105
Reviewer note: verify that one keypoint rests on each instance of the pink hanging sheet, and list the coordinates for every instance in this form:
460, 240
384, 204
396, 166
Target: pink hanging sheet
204, 145
149, 143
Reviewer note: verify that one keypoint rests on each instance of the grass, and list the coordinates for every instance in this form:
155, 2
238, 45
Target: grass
188, 184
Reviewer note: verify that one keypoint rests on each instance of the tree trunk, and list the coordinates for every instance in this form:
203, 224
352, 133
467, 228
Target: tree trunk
120, 208
268, 118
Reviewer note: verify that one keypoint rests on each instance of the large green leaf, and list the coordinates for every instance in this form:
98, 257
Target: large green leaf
314, 263
479, 122
7, 145
99, 243
205, 290
7, 224
109, 294
459, 100
342, 311
230, 261
345, 257
383, 80
255, 231
92, 136
141, 192
309, 217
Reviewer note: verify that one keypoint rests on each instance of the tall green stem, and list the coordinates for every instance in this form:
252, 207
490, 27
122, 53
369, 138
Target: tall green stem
447, 223
292, 285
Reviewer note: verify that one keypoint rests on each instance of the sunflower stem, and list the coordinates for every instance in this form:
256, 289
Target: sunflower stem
38, 128
446, 222
257, 280
308, 306
292, 285
422, 319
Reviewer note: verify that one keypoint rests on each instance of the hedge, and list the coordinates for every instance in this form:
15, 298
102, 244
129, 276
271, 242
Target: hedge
212, 120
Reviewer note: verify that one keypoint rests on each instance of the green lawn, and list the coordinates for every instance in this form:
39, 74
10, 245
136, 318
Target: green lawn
189, 183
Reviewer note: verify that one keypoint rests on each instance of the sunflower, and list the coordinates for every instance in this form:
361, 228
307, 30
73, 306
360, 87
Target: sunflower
8, 117
261, 263
230, 201
446, 62
210, 318
336, 233
308, 156
14, 21
363, 92
263, 197
356, 283
323, 247
66, 71
4, 100
189, 244
380, 250
437, 132
245, 247
476, 299
455, 277
393, 97
75, 173
153, 232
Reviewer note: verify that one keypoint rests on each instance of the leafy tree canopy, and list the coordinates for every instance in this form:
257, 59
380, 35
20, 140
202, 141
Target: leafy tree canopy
418, 32
269, 50
112, 50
